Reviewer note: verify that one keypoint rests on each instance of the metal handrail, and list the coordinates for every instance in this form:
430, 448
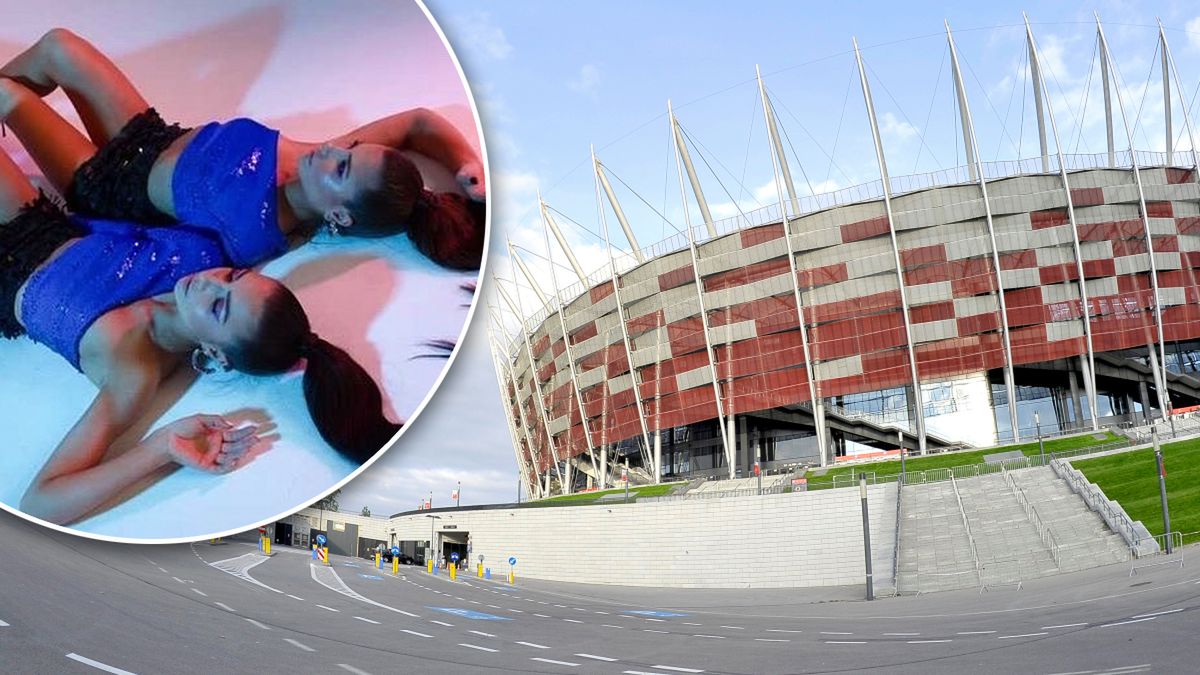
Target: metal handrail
1031, 514
970, 537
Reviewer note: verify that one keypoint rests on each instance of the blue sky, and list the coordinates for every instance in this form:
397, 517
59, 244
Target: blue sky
552, 78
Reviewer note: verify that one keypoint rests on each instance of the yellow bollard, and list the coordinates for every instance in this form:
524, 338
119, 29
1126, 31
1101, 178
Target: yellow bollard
266, 546
325, 555
480, 570
453, 572
429, 566
395, 565
512, 578
378, 565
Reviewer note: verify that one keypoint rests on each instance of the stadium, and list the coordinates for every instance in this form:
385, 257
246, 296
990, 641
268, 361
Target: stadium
986, 303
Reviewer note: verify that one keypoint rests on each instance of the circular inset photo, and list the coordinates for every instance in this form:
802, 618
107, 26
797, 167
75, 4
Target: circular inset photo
239, 242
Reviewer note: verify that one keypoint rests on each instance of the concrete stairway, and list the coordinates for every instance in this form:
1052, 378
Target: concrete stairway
1083, 538
935, 551
1009, 546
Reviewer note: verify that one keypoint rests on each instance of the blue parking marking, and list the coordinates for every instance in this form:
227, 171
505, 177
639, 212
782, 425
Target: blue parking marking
655, 612
471, 614
375, 577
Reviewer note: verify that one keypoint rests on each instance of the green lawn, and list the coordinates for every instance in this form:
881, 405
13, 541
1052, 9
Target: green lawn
951, 459
1130, 478
580, 498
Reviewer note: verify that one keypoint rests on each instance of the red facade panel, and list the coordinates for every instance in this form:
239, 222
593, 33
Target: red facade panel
675, 278
746, 275
922, 255
598, 293
864, 229
1041, 220
822, 276
758, 235
1087, 197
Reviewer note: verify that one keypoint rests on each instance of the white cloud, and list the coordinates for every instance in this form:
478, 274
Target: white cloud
586, 81
476, 32
894, 129
1193, 32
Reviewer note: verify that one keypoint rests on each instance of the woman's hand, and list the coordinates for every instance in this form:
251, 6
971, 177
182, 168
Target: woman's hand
205, 442
470, 177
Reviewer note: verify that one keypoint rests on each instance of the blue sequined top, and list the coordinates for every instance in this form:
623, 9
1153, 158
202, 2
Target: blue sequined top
113, 265
225, 181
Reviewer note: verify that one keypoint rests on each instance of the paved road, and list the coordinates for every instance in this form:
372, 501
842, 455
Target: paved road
75, 606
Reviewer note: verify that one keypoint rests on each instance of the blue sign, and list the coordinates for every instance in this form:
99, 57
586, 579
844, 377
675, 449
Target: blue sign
471, 614
395, 550
373, 577
454, 557
321, 540
655, 612
512, 560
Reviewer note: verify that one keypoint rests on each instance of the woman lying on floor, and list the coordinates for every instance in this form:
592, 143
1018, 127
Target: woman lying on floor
126, 305
240, 174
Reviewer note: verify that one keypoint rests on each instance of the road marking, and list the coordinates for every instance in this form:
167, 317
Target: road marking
256, 623
1169, 611
733, 627
295, 597
711, 637
518, 611
413, 632
366, 620
572, 620
3, 624
688, 623
598, 612
1064, 625
1010, 637
651, 630
197, 591
595, 658
926, 642
240, 567
843, 642
678, 669
225, 607
557, 663
97, 665
479, 632
976, 632
534, 645
299, 644
352, 669
544, 616
626, 616
179, 580
771, 640
329, 608
782, 630
1122, 623
441, 623
558, 605
609, 625
468, 645
831, 632
160, 569
659, 620
902, 634
494, 606
639, 672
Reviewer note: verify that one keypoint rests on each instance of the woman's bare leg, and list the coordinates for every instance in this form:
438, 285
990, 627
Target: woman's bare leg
100, 92
15, 189
56, 145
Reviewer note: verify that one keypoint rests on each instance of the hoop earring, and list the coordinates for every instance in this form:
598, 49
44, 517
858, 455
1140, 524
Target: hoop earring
205, 365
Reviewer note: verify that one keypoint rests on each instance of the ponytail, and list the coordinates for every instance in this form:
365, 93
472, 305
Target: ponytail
449, 229
343, 400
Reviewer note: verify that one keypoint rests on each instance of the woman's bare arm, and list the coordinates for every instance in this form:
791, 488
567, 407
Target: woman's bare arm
420, 130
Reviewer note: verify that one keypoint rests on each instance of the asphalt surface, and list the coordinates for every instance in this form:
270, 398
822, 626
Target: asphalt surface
70, 605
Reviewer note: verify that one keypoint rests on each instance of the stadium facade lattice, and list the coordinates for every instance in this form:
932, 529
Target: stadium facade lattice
925, 311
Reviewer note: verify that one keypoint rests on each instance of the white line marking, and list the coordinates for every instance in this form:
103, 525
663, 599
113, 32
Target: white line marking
1064, 625
678, 669
638, 672
366, 620
711, 637
225, 607
197, 591
599, 612
518, 611
902, 634
692, 624
295, 597
160, 569
1010, 637
534, 645
1127, 668
240, 567
781, 630
596, 658
1122, 623
557, 663
1169, 611
413, 632
572, 620
733, 627
2, 624
301, 645
441, 623
843, 642
626, 616
468, 645
1075, 672
544, 616
494, 606
558, 605
352, 669
832, 632
479, 632
179, 580
976, 632
770, 640
97, 665
926, 642
651, 630
609, 625
256, 623
329, 608
658, 620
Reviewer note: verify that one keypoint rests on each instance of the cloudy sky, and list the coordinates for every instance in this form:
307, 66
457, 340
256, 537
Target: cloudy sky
553, 78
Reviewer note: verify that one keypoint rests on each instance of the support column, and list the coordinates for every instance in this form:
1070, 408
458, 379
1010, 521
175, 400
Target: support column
1077, 405
616, 207
977, 166
1144, 397
682, 153
1108, 120
703, 313
887, 204
1089, 377
1035, 73
814, 389
658, 457
501, 381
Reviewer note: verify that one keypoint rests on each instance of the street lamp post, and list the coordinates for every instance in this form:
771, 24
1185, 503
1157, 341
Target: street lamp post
900, 435
1162, 488
862, 493
1037, 420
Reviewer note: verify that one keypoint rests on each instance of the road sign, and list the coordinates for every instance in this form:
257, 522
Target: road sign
395, 550
321, 540
262, 530
454, 557
512, 560
480, 557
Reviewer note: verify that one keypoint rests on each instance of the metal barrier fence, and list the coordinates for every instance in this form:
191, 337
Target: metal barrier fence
1172, 541
1117, 520
967, 526
1031, 514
